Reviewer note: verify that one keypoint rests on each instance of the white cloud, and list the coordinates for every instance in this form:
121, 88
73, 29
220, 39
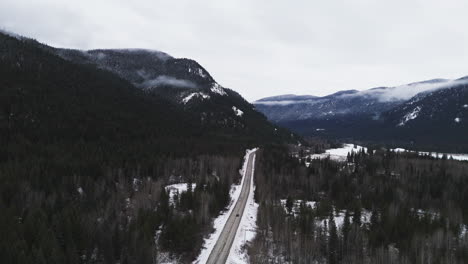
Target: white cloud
405, 92
168, 80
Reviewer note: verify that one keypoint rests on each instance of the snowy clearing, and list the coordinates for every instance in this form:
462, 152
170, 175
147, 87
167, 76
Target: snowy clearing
220, 221
177, 188
338, 154
338, 216
455, 156
297, 205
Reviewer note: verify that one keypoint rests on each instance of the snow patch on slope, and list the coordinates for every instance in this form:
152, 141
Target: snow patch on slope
220, 221
410, 116
189, 97
216, 88
237, 111
201, 73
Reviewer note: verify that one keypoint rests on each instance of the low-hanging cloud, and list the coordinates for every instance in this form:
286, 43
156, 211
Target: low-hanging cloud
168, 80
382, 94
288, 102
407, 91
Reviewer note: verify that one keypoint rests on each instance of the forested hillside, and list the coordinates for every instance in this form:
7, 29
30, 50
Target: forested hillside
381, 207
85, 159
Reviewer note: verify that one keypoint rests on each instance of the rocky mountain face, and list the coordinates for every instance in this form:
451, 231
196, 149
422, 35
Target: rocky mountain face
431, 112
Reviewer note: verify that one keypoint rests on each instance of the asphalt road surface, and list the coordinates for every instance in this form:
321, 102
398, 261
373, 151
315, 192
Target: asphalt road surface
221, 250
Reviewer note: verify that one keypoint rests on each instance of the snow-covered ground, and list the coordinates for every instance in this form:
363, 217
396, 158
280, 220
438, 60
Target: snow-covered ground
338, 217
247, 227
338, 154
455, 156
296, 206
177, 188
220, 221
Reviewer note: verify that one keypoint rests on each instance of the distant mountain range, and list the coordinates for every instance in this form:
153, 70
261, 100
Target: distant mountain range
432, 114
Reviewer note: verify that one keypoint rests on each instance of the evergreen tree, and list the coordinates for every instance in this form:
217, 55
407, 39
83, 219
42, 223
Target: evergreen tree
345, 229
357, 215
289, 204
333, 242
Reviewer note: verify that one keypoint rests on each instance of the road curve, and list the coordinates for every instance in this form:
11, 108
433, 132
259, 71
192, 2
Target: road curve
221, 250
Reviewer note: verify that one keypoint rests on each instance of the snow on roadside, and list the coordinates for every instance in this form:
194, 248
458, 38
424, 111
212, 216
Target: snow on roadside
220, 221
247, 227
338, 154
455, 156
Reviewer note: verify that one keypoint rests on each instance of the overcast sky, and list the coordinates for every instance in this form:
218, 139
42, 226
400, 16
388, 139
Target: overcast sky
267, 47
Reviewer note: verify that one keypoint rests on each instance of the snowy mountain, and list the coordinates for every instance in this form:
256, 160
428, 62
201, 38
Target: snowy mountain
183, 82
436, 115
340, 104
180, 80
181, 90
433, 111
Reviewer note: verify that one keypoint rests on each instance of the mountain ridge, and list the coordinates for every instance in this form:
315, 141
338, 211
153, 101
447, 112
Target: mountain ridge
219, 116
430, 112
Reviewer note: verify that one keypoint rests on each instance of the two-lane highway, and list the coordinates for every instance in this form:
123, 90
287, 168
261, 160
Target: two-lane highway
221, 250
